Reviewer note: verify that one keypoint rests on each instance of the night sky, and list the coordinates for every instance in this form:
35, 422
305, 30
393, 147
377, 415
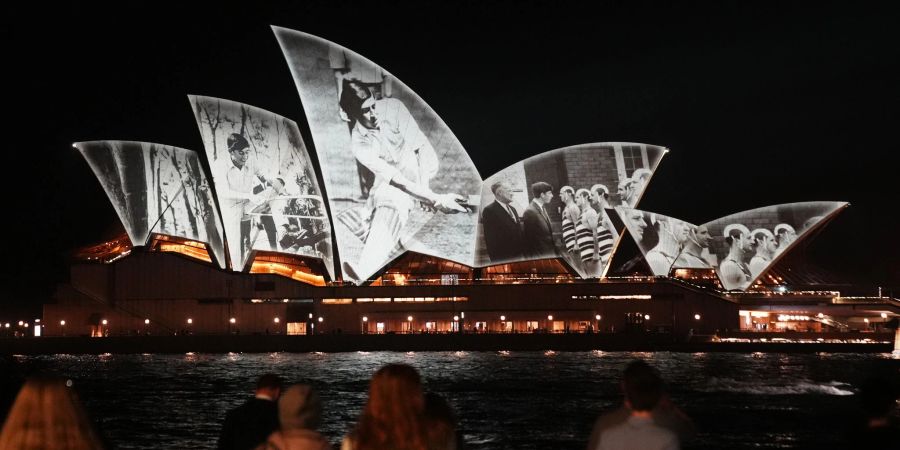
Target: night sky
759, 103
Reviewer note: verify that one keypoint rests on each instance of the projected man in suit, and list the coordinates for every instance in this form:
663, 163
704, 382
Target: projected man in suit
537, 231
502, 227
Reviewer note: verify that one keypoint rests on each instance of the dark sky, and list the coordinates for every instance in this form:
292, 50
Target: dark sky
759, 103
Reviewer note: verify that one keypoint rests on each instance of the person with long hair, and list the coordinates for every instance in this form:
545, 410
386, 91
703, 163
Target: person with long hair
47, 415
393, 417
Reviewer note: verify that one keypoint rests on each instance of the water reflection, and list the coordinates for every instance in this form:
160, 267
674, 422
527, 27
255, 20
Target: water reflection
504, 399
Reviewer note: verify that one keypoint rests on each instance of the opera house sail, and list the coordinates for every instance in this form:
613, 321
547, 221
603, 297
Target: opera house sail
270, 197
158, 189
396, 176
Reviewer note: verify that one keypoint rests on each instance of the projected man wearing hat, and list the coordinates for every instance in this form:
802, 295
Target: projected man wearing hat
246, 188
386, 139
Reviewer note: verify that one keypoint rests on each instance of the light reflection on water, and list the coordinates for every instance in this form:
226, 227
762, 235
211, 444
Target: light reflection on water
523, 400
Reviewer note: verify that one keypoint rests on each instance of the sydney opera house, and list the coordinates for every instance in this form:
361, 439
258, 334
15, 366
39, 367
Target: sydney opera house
381, 223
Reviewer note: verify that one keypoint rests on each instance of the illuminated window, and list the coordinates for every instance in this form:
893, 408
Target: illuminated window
295, 328
337, 301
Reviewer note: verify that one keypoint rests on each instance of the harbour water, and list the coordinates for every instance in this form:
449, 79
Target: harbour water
521, 400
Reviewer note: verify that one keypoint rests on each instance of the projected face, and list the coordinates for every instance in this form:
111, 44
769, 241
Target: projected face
747, 243
703, 236
546, 197
637, 220
240, 157
599, 197
768, 243
368, 117
503, 194
680, 231
581, 200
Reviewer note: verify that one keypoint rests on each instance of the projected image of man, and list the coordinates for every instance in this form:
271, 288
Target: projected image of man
502, 226
386, 139
248, 187
537, 230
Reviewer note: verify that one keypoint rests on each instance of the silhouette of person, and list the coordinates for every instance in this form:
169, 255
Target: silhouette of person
250, 424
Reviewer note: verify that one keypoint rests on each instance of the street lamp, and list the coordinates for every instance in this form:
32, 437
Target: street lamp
696, 316
321, 319
647, 317
365, 327
189, 321
409, 320
276, 320
503, 318
62, 323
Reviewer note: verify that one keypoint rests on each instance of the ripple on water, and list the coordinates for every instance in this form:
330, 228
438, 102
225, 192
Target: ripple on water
523, 400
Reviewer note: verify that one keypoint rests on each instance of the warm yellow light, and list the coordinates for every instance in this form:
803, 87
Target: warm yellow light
866, 320
321, 319
884, 315
598, 317
696, 316
503, 318
62, 323
365, 319
232, 320
104, 322
21, 323
409, 318
146, 321
549, 317
189, 321
276, 320
456, 318
647, 317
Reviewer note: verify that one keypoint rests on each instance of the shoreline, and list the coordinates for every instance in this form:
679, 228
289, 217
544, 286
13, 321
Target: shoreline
335, 343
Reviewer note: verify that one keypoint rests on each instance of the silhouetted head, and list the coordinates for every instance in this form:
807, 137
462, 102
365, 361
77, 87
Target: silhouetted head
642, 385
269, 385
299, 407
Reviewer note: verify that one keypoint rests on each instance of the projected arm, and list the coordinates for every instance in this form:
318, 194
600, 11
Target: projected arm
367, 155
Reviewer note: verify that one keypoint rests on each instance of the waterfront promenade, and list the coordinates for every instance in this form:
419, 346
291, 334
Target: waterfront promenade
644, 342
